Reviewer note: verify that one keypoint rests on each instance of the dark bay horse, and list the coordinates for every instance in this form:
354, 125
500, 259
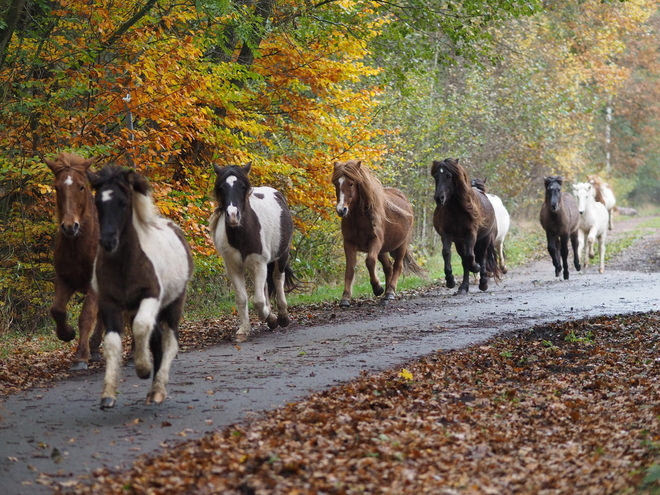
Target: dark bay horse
375, 220
142, 269
464, 216
560, 219
73, 257
252, 230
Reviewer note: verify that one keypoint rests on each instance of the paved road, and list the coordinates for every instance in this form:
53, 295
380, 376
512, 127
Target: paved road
61, 431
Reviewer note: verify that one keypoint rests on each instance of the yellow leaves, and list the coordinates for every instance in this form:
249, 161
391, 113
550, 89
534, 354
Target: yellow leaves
406, 375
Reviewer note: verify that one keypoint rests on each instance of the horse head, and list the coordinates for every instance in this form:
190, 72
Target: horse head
479, 184
114, 200
582, 191
232, 190
553, 191
73, 194
448, 175
346, 178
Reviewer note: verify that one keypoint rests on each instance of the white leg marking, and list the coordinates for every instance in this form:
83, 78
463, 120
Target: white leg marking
261, 302
143, 325
112, 352
237, 277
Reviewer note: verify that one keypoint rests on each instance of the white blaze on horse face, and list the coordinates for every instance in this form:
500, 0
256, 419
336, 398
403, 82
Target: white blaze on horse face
342, 197
106, 195
68, 181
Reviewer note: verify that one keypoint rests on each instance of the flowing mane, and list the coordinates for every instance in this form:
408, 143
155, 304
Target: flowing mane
370, 189
463, 192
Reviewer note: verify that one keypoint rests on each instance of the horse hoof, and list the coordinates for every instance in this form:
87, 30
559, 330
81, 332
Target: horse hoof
78, 366
566, 276
451, 284
344, 303
155, 397
378, 290
96, 357
483, 286
240, 337
384, 302
67, 335
272, 322
107, 402
283, 321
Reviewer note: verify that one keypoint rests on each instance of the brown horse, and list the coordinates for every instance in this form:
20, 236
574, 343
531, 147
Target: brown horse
560, 218
375, 220
73, 258
464, 216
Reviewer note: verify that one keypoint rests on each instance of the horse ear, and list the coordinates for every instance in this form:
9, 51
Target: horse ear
89, 162
358, 164
52, 165
560, 179
140, 184
93, 178
247, 168
217, 168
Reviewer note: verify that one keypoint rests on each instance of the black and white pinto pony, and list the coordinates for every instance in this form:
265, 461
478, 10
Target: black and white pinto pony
252, 229
142, 269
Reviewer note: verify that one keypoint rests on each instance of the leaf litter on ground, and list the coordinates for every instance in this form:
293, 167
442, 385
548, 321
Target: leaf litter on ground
557, 409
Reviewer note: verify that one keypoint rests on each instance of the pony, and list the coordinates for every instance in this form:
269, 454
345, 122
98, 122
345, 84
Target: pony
252, 230
560, 219
465, 217
375, 220
76, 245
142, 269
605, 195
502, 219
593, 224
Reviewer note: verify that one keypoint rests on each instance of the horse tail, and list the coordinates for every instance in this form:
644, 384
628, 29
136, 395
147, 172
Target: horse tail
291, 282
411, 266
492, 262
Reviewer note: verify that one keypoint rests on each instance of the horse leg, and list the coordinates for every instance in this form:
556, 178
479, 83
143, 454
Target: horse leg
280, 295
390, 281
261, 300
88, 315
601, 253
581, 247
554, 253
143, 325
501, 260
372, 256
610, 223
63, 293
576, 252
95, 340
165, 347
351, 258
481, 250
564, 255
462, 250
446, 256
112, 349
237, 278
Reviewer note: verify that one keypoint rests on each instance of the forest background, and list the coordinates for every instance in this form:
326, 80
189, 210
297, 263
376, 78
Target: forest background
515, 89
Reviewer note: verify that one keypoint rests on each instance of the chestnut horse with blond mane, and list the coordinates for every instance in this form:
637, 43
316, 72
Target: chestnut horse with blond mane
375, 220
605, 195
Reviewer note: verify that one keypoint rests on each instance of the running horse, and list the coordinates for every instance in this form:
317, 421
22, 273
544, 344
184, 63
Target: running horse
76, 245
375, 220
142, 270
465, 217
605, 195
502, 219
560, 219
252, 230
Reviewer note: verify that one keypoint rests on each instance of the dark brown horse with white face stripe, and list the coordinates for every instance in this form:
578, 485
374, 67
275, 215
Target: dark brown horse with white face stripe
142, 270
73, 258
560, 218
375, 220
465, 217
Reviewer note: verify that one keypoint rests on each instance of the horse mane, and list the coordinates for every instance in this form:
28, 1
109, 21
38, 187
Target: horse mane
466, 197
597, 183
143, 206
371, 190
69, 161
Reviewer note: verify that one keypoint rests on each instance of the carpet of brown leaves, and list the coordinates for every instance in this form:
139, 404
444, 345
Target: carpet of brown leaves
570, 408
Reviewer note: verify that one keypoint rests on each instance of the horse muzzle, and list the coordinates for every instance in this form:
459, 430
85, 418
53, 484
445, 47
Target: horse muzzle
440, 200
110, 243
70, 230
342, 211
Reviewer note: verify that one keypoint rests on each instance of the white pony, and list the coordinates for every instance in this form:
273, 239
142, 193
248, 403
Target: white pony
593, 223
502, 219
605, 195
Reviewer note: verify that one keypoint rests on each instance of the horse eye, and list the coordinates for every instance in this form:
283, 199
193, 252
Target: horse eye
82, 188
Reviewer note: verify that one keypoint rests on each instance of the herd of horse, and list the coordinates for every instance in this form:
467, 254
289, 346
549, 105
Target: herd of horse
129, 262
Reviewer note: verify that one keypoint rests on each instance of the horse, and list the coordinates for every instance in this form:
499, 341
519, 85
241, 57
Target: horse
560, 219
252, 230
142, 269
593, 224
502, 219
605, 195
76, 244
375, 220
465, 217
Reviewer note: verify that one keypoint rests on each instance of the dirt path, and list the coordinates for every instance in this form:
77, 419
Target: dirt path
60, 430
